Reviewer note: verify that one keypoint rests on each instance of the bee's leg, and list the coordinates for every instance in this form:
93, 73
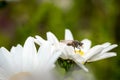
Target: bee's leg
74, 50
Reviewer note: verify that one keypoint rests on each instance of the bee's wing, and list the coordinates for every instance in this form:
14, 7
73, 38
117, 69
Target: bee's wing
66, 41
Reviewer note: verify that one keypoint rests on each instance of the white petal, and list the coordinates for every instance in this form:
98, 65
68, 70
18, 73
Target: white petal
39, 40
6, 60
64, 55
83, 67
68, 35
4, 74
52, 38
68, 52
92, 52
79, 61
106, 47
29, 54
106, 44
109, 48
44, 54
53, 59
17, 53
104, 56
86, 44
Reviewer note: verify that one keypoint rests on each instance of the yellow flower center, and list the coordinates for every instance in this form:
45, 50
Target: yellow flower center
79, 52
20, 76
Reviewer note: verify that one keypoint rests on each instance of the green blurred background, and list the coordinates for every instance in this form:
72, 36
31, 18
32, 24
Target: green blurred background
97, 20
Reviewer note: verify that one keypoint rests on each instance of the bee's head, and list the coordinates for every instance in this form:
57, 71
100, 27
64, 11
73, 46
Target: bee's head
80, 43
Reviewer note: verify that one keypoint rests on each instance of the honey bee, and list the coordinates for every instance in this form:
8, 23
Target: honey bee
73, 43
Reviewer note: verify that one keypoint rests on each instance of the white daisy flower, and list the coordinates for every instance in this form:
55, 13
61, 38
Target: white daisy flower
67, 52
22, 62
82, 55
88, 54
